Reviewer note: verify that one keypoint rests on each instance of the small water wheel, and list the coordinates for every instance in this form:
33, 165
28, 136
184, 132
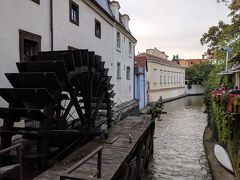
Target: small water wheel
62, 96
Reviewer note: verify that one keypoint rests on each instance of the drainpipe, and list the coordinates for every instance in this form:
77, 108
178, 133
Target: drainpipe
51, 23
134, 97
144, 87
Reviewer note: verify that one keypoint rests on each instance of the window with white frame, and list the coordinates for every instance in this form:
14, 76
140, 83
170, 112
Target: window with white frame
118, 70
97, 28
73, 12
128, 73
155, 75
130, 48
118, 40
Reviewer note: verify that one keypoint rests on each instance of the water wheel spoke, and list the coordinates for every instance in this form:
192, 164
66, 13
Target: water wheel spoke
55, 92
95, 111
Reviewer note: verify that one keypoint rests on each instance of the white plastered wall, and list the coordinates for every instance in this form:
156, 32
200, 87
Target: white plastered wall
25, 15
124, 88
167, 90
82, 36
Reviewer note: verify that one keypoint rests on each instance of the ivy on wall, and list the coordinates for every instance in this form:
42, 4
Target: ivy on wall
222, 122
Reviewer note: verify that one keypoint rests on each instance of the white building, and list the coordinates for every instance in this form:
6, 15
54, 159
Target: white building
123, 56
29, 26
165, 78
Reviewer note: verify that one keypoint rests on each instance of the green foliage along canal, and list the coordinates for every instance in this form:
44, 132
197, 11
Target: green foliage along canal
178, 146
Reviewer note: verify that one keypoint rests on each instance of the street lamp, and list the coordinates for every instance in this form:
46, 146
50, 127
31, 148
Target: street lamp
228, 52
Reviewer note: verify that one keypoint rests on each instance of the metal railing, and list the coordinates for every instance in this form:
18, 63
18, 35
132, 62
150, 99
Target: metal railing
9, 169
66, 174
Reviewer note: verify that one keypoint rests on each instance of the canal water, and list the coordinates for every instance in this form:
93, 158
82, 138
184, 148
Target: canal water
178, 145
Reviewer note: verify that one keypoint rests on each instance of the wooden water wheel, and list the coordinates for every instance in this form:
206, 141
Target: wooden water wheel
62, 96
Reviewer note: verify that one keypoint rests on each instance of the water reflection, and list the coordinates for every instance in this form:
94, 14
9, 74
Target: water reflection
179, 152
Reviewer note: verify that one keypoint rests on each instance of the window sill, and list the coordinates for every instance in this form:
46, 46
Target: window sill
98, 36
36, 1
119, 78
130, 56
118, 49
76, 23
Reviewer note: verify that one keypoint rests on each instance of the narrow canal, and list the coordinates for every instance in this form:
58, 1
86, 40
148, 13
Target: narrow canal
178, 147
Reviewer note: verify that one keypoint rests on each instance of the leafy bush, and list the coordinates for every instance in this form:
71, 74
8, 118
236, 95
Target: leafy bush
198, 72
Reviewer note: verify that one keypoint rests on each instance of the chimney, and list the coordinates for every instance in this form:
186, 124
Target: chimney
114, 5
125, 19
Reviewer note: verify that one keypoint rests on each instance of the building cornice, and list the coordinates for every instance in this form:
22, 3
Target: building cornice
100, 11
120, 28
111, 20
168, 65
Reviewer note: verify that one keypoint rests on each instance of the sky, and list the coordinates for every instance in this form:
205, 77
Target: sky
173, 26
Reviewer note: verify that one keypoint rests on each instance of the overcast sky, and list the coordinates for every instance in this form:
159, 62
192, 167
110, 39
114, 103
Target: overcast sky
173, 26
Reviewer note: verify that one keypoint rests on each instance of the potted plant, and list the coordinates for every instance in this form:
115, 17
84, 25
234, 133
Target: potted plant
231, 101
237, 104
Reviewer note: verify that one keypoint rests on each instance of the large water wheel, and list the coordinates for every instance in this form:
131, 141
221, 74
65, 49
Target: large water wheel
62, 96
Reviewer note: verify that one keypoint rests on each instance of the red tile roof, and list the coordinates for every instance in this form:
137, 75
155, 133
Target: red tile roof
191, 62
197, 60
140, 61
158, 59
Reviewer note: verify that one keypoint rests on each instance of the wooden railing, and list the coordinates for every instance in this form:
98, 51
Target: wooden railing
6, 170
66, 174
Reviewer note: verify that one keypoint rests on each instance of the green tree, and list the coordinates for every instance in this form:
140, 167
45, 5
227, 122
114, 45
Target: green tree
215, 35
198, 72
223, 33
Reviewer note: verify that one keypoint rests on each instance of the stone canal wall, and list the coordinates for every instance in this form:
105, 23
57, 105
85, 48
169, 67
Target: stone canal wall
166, 93
129, 108
194, 90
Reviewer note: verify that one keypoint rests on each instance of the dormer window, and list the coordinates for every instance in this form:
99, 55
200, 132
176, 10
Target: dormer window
74, 12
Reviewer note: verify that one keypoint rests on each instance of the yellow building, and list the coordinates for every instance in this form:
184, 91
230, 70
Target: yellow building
165, 78
183, 63
190, 62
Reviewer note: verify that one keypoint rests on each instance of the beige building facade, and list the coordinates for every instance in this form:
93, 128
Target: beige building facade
157, 52
165, 78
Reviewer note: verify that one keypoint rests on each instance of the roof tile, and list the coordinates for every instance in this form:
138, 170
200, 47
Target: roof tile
158, 59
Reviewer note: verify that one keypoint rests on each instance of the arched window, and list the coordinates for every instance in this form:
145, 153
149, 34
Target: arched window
128, 73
